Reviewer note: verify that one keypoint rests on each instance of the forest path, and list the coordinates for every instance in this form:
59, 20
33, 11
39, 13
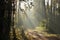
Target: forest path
39, 36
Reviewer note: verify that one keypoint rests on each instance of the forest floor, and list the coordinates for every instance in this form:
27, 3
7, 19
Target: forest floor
34, 35
38, 35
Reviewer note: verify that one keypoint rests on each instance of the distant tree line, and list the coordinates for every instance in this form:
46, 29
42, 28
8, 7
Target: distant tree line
53, 14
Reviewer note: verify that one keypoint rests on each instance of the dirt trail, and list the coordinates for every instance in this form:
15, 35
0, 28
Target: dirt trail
38, 36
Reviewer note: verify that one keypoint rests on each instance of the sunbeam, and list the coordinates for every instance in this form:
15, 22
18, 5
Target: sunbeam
27, 17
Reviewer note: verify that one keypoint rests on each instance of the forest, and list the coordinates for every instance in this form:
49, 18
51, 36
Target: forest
29, 19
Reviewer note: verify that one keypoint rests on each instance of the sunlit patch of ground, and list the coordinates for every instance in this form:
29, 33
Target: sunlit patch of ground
42, 36
40, 33
36, 34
